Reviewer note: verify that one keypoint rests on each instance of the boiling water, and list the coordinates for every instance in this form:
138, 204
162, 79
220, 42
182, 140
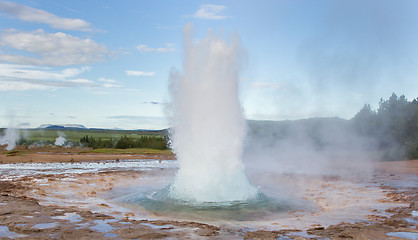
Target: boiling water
208, 124
260, 207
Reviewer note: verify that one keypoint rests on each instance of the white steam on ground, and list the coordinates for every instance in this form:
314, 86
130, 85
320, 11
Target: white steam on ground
311, 146
208, 124
11, 135
10, 138
60, 140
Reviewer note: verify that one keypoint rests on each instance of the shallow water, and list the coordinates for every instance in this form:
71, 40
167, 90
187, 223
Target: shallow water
5, 232
18, 170
45, 225
103, 225
262, 207
405, 235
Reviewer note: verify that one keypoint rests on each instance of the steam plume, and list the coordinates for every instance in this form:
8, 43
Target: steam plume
208, 123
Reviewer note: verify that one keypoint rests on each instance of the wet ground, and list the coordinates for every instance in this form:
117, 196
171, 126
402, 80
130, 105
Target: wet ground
102, 200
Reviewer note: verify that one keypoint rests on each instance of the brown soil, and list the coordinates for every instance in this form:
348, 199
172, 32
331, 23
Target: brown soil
61, 154
398, 167
23, 214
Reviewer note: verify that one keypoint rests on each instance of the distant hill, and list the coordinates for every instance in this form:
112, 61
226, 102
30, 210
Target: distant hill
313, 126
82, 127
62, 126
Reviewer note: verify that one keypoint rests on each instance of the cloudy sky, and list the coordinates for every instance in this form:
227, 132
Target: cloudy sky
107, 63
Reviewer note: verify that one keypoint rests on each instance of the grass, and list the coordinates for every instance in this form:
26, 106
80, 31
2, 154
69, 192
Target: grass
48, 136
74, 135
12, 153
132, 151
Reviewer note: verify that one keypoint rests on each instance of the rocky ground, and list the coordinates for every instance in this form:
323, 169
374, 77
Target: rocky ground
26, 213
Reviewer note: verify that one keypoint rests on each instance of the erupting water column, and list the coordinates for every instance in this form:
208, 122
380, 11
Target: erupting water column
208, 123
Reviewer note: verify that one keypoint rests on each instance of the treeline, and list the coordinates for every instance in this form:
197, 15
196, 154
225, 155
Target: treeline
124, 142
394, 125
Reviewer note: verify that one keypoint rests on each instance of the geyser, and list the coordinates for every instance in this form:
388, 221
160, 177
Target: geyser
208, 123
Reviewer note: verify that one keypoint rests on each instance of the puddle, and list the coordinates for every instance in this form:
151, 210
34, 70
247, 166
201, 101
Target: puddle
103, 226
407, 235
155, 226
303, 235
4, 232
82, 225
72, 217
411, 221
111, 235
45, 225
18, 170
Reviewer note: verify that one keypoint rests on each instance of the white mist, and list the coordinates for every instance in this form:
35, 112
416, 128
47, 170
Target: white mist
10, 138
60, 140
208, 123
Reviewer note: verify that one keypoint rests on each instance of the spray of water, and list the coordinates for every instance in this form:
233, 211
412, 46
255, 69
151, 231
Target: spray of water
208, 123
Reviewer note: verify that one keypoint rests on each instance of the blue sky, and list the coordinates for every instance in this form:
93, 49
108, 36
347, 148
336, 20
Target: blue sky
107, 63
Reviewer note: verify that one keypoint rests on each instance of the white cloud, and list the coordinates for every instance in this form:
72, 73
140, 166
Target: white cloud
111, 85
35, 84
51, 49
145, 48
210, 11
20, 86
106, 80
138, 73
10, 71
29, 14
15, 77
81, 80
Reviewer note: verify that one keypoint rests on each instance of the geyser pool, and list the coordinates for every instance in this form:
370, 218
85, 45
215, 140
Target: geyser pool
260, 207
208, 124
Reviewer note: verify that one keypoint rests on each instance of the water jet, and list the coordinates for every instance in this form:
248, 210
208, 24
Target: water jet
208, 125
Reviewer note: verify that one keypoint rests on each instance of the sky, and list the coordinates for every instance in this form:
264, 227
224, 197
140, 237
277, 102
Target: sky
106, 64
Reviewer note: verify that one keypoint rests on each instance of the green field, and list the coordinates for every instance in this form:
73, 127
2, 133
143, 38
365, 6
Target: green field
74, 135
95, 138
133, 151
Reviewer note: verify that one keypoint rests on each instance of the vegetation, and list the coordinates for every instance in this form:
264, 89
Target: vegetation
124, 142
96, 138
394, 125
132, 151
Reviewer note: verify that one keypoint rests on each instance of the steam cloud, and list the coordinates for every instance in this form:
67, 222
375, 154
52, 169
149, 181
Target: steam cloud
10, 138
11, 135
208, 123
314, 146
60, 140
